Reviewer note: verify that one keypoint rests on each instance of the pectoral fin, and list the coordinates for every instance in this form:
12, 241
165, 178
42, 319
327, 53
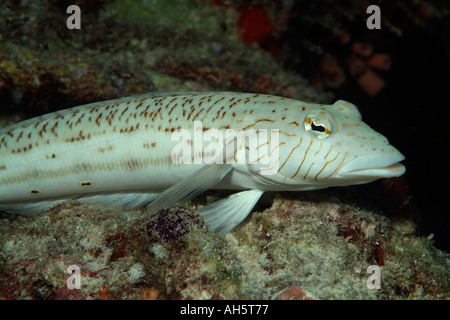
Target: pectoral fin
201, 180
223, 215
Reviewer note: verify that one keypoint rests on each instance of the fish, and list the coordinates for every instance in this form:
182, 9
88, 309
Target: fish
158, 149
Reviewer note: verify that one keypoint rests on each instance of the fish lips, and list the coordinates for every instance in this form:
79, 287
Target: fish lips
374, 166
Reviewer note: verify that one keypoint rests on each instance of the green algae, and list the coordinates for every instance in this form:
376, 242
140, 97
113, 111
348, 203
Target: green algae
185, 14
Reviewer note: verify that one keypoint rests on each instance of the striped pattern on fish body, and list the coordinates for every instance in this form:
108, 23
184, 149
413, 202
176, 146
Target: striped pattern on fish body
123, 148
94, 147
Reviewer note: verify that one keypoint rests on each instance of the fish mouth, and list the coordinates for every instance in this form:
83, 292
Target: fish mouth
393, 170
374, 167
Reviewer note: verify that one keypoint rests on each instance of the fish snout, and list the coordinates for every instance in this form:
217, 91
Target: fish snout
384, 164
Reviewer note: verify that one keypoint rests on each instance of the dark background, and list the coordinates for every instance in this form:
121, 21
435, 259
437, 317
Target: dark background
411, 110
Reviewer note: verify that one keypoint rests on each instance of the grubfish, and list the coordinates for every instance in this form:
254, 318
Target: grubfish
159, 149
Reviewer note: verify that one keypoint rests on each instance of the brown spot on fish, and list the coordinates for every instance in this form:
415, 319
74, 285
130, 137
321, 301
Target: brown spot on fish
19, 136
79, 119
85, 184
97, 120
123, 112
174, 106
35, 191
43, 129
198, 113
52, 130
259, 120
217, 101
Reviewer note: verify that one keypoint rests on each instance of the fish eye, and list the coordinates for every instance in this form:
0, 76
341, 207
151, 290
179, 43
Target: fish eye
318, 128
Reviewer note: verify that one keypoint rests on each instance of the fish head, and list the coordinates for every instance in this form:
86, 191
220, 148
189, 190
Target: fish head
333, 147
370, 156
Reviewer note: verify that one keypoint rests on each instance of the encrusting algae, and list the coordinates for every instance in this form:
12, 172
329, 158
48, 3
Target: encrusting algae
302, 246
